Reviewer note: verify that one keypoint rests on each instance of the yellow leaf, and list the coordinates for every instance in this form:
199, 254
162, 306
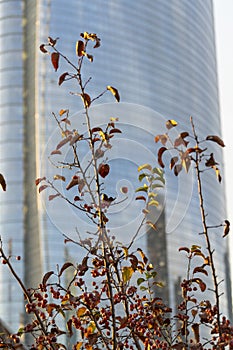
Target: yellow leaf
126, 252
145, 166
127, 272
81, 311
171, 123
115, 92
59, 177
78, 345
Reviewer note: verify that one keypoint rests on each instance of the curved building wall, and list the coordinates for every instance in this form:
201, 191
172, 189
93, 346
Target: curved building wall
11, 154
160, 56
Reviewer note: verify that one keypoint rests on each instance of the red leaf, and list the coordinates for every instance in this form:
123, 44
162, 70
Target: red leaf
62, 78
42, 188
103, 170
3, 182
37, 181
55, 60
160, 153
52, 196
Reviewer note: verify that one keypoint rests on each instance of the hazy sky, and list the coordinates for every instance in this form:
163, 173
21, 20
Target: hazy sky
223, 10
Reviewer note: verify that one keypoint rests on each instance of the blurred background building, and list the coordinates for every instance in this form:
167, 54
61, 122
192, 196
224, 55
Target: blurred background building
161, 57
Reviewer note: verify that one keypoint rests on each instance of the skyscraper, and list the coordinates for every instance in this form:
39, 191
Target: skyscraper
159, 55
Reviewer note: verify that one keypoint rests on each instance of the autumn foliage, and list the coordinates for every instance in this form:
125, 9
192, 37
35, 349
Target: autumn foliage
111, 302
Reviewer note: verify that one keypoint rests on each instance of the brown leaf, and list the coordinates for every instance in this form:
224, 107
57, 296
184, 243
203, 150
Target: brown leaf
3, 182
216, 139
115, 92
162, 138
74, 181
99, 153
103, 170
173, 161
64, 141
55, 60
114, 130
43, 49
177, 169
200, 269
186, 161
80, 46
196, 331
160, 153
211, 161
185, 249
184, 134
56, 151
64, 267
226, 228
46, 277
138, 198
201, 284
86, 100
96, 129
180, 141
52, 42
63, 111
62, 78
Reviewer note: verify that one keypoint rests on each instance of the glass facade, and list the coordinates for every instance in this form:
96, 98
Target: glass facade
161, 57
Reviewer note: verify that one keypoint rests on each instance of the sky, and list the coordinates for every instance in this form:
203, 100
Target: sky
223, 12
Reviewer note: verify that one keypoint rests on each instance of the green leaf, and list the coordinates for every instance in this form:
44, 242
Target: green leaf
143, 188
156, 186
142, 176
140, 281
143, 288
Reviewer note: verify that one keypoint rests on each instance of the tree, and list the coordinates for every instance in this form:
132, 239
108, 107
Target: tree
110, 301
